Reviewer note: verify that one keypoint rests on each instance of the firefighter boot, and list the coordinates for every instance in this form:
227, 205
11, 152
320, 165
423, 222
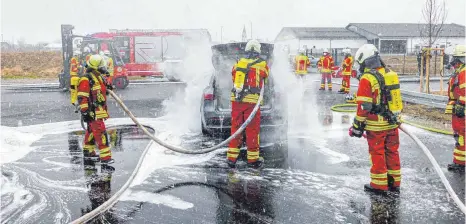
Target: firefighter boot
369, 188
456, 168
231, 164
108, 161
90, 156
322, 88
258, 164
392, 188
341, 91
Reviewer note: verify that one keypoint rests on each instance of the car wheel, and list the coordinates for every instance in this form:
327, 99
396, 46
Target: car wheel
120, 82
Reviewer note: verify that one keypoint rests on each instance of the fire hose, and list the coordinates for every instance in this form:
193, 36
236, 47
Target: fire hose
426, 151
114, 199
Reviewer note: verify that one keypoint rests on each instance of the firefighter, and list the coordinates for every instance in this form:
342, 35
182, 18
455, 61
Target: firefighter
92, 91
325, 65
456, 95
379, 105
110, 66
247, 76
74, 76
302, 62
346, 69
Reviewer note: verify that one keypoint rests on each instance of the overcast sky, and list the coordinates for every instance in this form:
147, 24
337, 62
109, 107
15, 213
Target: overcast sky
39, 20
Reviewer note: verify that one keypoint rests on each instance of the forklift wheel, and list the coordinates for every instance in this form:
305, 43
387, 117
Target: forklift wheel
121, 82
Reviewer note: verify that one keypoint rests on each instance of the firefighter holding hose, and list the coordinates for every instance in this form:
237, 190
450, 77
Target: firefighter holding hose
456, 97
379, 105
247, 76
92, 91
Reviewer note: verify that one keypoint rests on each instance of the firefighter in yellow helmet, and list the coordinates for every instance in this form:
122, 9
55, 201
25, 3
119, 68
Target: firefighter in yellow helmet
92, 91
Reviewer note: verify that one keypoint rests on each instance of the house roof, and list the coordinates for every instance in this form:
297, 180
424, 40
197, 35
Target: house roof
318, 33
374, 30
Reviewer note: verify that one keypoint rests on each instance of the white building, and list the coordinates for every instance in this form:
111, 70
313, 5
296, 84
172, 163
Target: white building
291, 39
400, 38
390, 38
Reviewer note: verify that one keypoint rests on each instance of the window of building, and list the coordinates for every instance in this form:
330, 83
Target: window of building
393, 46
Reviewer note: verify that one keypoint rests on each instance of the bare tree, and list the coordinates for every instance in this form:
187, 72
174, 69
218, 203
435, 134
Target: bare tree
434, 16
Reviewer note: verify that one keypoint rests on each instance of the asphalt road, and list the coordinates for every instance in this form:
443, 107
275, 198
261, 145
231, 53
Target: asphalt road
320, 181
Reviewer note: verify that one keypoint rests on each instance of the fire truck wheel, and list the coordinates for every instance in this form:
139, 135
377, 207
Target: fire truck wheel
121, 82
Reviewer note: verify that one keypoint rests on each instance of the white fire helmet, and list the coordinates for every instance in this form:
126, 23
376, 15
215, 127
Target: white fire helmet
253, 45
364, 52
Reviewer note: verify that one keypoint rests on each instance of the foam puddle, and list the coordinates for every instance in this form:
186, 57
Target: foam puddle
15, 144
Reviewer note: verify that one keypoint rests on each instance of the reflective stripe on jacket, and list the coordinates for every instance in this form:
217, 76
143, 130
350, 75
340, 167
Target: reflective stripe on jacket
325, 64
95, 97
367, 96
302, 62
74, 65
255, 75
347, 65
456, 86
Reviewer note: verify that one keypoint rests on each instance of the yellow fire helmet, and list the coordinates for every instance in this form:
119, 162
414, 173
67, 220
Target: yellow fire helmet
95, 61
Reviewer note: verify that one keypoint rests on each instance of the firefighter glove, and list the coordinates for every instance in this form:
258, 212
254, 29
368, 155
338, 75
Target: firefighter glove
357, 130
459, 110
86, 116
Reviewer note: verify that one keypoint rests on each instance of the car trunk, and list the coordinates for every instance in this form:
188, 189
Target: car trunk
224, 58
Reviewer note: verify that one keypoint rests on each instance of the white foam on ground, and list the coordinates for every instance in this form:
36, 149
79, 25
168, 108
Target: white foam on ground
163, 199
14, 144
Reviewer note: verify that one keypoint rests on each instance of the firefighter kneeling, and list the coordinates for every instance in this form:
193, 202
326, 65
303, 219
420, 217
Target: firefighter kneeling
92, 91
379, 105
456, 95
247, 74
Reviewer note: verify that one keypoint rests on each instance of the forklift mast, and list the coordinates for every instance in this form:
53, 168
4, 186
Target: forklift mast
67, 48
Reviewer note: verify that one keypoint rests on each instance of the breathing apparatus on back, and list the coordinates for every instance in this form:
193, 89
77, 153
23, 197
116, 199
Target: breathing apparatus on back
390, 94
253, 50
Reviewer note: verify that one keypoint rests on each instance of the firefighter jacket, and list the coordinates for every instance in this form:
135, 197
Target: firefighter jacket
325, 64
110, 66
74, 66
302, 62
456, 88
92, 95
347, 65
368, 97
248, 73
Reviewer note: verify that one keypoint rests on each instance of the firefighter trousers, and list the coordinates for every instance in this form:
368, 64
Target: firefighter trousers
97, 134
345, 83
328, 77
458, 133
239, 113
385, 159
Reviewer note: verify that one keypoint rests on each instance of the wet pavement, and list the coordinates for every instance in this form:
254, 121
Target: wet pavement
319, 181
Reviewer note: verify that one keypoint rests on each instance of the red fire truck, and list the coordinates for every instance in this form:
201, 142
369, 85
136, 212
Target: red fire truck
154, 52
158, 53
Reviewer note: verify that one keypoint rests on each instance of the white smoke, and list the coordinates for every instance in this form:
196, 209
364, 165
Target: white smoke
184, 108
